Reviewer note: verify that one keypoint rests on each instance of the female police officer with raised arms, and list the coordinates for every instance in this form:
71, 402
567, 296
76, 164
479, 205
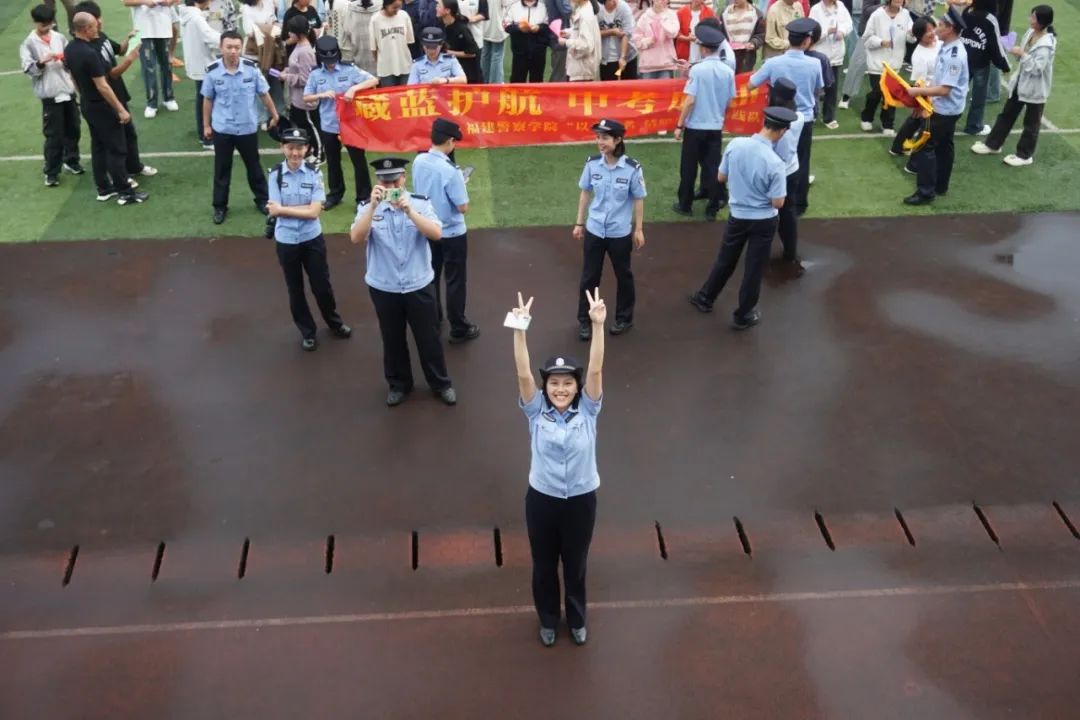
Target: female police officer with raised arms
560, 505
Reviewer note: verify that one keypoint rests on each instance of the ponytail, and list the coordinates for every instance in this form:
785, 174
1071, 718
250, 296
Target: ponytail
1044, 15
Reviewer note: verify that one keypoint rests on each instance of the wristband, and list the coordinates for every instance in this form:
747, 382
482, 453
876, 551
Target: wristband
680, 127
579, 224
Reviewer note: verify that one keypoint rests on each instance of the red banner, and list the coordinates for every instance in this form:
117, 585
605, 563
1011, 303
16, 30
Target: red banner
399, 118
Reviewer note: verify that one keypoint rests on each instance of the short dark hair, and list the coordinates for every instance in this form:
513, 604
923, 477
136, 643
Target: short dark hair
42, 14
438, 138
231, 35
88, 6
921, 25
775, 124
298, 25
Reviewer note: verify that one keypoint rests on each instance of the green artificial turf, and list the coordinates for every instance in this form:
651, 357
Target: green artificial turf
534, 185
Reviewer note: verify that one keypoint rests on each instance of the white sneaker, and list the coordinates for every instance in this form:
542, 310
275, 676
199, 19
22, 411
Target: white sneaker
1016, 161
866, 127
148, 171
810, 180
150, 113
171, 105
981, 148
843, 105
133, 183
984, 132
888, 132
832, 125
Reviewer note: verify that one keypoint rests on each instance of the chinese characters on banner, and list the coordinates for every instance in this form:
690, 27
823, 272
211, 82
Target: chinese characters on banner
399, 118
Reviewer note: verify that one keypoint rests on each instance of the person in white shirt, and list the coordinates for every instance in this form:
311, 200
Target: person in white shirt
492, 50
923, 60
836, 25
201, 44
154, 21
391, 35
886, 35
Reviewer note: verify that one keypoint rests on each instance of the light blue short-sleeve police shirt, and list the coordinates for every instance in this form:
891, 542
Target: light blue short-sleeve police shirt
563, 445
712, 84
614, 188
339, 79
951, 69
803, 71
755, 177
235, 94
398, 254
787, 147
299, 187
424, 71
434, 175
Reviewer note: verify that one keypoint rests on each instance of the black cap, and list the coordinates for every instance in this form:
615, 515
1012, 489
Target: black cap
709, 35
614, 128
449, 128
294, 136
327, 49
432, 36
799, 29
782, 90
780, 116
390, 168
561, 365
277, 133
954, 18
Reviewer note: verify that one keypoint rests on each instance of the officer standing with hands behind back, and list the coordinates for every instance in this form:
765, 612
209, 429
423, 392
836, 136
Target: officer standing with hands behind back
397, 227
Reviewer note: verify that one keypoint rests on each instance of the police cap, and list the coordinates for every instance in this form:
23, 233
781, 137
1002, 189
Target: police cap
327, 49
799, 29
561, 365
277, 133
614, 128
295, 136
709, 35
432, 36
780, 116
782, 90
449, 128
390, 168
954, 18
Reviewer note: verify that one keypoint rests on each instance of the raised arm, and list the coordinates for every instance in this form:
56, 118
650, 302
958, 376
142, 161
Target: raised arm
594, 378
526, 383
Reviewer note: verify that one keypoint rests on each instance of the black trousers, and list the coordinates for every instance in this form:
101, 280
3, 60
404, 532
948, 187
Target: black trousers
527, 68
559, 529
415, 310
248, 147
608, 70
1033, 112
619, 249
108, 146
309, 257
806, 143
309, 121
875, 98
787, 220
335, 180
828, 104
756, 236
704, 148
450, 255
62, 128
907, 131
933, 163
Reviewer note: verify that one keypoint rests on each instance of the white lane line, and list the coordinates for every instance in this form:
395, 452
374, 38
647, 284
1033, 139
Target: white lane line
10, 72
686, 602
648, 140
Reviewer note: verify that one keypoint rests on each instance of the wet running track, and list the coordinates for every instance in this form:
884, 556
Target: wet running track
866, 507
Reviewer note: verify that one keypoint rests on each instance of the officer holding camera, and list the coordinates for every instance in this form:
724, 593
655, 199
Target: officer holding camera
296, 201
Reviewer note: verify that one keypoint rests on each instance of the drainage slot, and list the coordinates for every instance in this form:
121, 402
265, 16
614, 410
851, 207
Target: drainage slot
329, 554
660, 541
986, 525
70, 568
415, 549
158, 557
497, 539
744, 539
242, 570
820, 519
904, 526
1065, 519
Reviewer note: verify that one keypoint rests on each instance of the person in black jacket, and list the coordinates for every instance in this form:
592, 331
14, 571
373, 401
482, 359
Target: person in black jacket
982, 38
459, 39
527, 25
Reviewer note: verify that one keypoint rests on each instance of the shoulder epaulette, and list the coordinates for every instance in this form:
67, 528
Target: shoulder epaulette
252, 63
632, 162
593, 157
418, 197
363, 203
213, 66
954, 51
346, 62
310, 165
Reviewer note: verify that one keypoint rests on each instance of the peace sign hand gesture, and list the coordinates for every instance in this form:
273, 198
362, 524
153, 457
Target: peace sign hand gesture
597, 310
523, 308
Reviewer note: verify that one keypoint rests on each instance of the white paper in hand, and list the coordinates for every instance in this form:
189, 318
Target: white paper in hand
515, 322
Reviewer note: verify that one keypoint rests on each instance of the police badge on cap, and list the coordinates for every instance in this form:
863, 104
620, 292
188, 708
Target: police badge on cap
295, 136
614, 128
390, 168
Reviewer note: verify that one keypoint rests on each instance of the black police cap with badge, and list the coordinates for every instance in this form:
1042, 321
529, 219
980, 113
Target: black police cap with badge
780, 117
432, 36
614, 128
562, 365
449, 128
327, 50
710, 35
389, 169
799, 29
954, 18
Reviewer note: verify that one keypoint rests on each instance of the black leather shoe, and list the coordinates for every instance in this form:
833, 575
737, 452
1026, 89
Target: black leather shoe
700, 303
471, 333
342, 331
309, 344
678, 210
618, 328
917, 199
747, 322
585, 332
448, 396
331, 204
701, 194
579, 635
547, 636
395, 397
219, 215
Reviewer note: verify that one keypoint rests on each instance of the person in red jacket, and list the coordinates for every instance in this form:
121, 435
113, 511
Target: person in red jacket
689, 16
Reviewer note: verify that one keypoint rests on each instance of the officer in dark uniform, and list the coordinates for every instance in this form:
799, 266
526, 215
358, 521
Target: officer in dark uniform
397, 227
296, 201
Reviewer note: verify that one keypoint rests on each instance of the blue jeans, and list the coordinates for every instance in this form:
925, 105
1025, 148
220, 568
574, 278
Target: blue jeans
980, 82
154, 59
993, 90
491, 61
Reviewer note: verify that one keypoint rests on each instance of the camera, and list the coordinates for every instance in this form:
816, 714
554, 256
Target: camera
394, 194
268, 231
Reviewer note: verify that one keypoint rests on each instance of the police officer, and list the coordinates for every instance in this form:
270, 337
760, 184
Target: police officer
782, 94
614, 225
708, 91
933, 162
397, 227
230, 119
435, 67
331, 78
805, 72
296, 196
436, 177
755, 177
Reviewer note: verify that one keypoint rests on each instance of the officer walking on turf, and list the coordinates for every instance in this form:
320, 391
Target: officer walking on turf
710, 88
436, 177
397, 227
296, 198
933, 162
805, 72
230, 119
614, 225
755, 176
435, 67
